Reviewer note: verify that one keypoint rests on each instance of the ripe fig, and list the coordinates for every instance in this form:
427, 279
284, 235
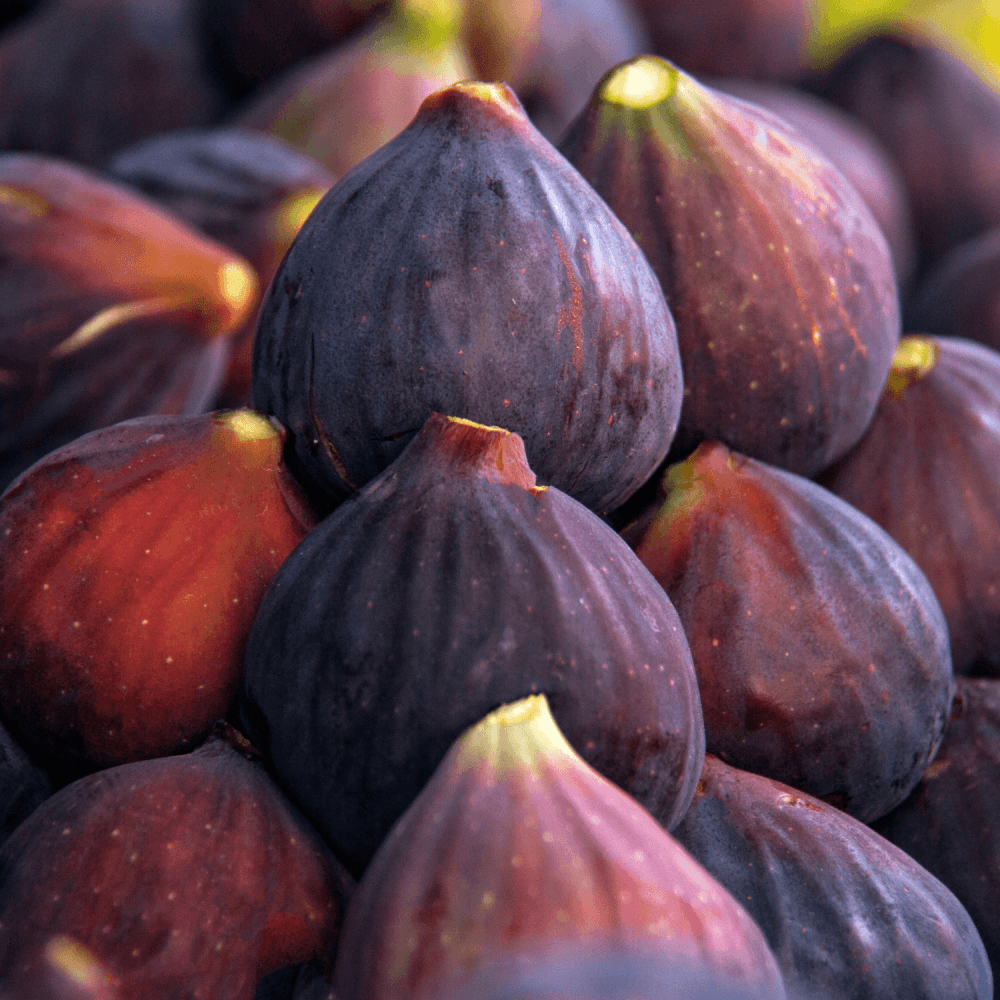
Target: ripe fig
821, 651
187, 876
928, 471
780, 281
112, 308
134, 560
248, 191
516, 843
950, 824
847, 915
451, 584
498, 287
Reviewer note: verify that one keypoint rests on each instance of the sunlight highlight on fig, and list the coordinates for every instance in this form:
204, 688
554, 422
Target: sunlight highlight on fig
914, 358
640, 83
248, 425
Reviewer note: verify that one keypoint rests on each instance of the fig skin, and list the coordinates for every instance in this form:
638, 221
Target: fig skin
499, 288
516, 844
821, 652
806, 873
778, 277
950, 823
111, 309
187, 876
928, 472
134, 560
450, 585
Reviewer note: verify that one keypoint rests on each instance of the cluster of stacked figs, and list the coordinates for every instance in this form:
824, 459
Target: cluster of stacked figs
480, 540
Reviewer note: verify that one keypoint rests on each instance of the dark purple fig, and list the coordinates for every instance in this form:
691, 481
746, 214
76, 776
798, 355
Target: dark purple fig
821, 651
928, 471
777, 275
250, 192
960, 295
848, 916
110, 309
939, 121
853, 149
762, 39
497, 287
516, 844
23, 785
186, 876
344, 105
252, 40
82, 79
951, 822
134, 560
450, 585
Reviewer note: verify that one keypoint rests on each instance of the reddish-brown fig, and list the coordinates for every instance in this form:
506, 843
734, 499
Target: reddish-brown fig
467, 268
848, 916
346, 104
928, 471
85, 78
134, 560
515, 842
249, 191
951, 822
821, 651
451, 584
114, 309
187, 876
778, 277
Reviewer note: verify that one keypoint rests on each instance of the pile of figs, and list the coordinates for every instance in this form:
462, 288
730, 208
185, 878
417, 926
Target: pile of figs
500, 502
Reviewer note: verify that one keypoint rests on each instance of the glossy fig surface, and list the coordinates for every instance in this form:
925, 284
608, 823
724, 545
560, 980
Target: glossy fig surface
516, 843
821, 652
134, 561
450, 585
497, 287
778, 277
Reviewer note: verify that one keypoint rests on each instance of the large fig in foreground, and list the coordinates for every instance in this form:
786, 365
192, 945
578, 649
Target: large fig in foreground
467, 268
450, 585
778, 277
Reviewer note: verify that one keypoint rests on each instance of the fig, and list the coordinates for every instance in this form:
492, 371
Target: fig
450, 585
928, 472
847, 915
134, 560
248, 191
950, 823
761, 39
498, 287
924, 103
853, 149
820, 649
516, 842
957, 296
187, 876
82, 79
778, 277
344, 105
111, 308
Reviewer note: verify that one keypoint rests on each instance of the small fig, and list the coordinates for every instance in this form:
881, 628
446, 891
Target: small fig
515, 843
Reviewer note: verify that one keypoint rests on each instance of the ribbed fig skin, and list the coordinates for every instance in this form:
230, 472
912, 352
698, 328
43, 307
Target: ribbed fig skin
821, 651
467, 268
515, 844
848, 915
435, 595
951, 822
188, 876
928, 471
778, 277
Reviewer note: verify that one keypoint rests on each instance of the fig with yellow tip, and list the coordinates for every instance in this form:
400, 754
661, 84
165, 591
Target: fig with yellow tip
451, 583
134, 560
516, 845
